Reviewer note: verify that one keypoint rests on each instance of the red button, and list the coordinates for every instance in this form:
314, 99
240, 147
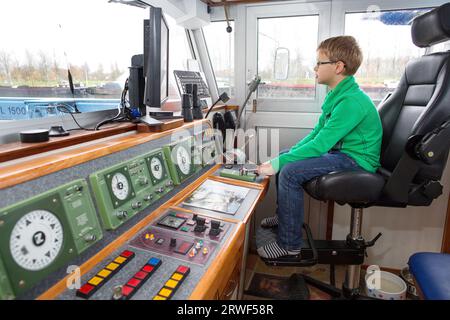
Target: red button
141, 275
133, 282
126, 290
183, 269
127, 254
86, 289
147, 268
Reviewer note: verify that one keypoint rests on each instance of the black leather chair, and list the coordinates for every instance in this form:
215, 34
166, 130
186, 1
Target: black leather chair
415, 147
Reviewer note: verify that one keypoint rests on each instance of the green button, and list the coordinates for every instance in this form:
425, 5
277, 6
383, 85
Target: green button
185, 229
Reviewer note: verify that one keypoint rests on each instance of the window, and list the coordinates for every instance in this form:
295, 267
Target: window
443, 46
385, 39
41, 40
179, 54
221, 52
286, 56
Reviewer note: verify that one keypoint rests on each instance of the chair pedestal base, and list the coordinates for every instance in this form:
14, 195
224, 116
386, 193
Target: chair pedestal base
350, 252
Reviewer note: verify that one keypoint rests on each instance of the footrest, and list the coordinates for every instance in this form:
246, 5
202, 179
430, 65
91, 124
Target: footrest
290, 261
307, 257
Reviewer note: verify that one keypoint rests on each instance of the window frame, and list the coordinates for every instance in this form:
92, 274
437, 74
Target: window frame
214, 79
279, 10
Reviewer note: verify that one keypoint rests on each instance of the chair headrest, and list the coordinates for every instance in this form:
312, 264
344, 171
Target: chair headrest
432, 27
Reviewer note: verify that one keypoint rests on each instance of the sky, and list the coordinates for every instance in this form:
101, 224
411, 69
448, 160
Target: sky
87, 30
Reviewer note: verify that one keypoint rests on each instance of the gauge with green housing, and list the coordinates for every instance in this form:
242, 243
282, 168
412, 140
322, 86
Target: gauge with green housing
44, 233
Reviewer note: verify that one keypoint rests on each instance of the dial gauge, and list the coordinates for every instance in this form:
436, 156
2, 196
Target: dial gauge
36, 240
183, 160
120, 186
156, 168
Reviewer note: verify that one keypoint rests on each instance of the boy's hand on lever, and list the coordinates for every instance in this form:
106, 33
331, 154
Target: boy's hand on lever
265, 169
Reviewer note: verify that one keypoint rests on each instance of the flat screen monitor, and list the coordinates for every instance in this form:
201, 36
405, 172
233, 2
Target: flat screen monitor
156, 59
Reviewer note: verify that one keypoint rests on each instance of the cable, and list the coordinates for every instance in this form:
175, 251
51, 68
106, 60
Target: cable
123, 114
66, 110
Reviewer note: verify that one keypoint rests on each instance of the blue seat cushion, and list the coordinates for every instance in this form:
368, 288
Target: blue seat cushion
432, 274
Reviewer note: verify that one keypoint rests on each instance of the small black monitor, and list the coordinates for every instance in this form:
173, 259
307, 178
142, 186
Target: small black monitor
156, 59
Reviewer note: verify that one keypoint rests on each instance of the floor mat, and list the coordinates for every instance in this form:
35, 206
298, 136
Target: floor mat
278, 287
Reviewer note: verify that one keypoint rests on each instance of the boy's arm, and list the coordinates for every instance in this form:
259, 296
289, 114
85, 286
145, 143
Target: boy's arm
344, 118
312, 134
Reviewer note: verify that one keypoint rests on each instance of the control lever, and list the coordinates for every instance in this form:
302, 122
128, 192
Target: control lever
215, 228
200, 227
371, 243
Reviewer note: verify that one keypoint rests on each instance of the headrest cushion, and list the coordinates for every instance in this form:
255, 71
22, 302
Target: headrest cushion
431, 27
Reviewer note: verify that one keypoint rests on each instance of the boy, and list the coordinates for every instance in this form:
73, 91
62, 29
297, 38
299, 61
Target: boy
347, 137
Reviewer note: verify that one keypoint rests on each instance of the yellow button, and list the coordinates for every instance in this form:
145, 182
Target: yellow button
95, 281
104, 273
119, 260
159, 298
177, 276
112, 266
171, 284
165, 292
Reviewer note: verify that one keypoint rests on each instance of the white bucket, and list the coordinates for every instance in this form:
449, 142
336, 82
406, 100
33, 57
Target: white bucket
388, 287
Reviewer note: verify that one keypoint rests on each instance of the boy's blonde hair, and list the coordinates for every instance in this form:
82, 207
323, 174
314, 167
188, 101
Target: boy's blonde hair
345, 49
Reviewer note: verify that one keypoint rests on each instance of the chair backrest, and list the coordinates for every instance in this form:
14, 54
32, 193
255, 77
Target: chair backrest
421, 101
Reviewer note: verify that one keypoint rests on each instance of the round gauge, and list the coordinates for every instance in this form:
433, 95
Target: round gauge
156, 168
209, 153
36, 240
183, 160
120, 186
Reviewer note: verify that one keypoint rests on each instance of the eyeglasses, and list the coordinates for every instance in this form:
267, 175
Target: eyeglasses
319, 63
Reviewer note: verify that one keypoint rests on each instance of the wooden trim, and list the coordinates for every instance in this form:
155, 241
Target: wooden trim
16, 150
446, 235
330, 219
32, 169
218, 273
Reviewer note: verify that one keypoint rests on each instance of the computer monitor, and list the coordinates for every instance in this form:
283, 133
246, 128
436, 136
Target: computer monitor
156, 59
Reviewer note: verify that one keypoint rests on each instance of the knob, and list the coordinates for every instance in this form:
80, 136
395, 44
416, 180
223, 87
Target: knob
122, 214
90, 238
173, 242
117, 295
160, 190
143, 181
148, 197
169, 183
136, 205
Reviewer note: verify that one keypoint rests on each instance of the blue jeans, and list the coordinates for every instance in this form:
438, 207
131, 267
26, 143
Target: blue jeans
289, 183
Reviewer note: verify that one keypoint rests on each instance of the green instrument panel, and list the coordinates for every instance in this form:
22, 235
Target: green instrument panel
206, 149
182, 159
44, 233
123, 190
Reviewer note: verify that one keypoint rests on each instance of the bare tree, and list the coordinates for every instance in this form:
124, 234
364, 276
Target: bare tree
44, 65
6, 65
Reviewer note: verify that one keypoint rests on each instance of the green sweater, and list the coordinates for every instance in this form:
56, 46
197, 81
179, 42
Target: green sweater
349, 118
